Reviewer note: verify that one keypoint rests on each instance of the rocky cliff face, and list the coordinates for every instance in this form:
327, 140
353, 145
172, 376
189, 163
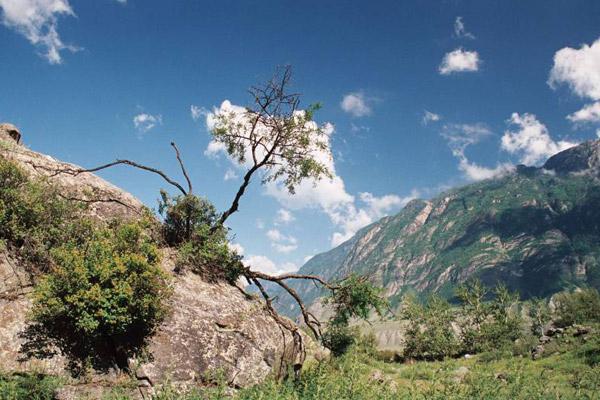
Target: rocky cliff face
537, 230
211, 327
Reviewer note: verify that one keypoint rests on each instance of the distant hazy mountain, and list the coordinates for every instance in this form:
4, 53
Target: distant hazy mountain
536, 229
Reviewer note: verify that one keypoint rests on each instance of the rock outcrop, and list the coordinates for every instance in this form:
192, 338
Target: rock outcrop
211, 328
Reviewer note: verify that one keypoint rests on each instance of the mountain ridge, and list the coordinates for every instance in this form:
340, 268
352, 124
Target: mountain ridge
535, 229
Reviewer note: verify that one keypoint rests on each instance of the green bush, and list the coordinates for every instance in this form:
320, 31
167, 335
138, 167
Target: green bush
577, 307
488, 325
101, 299
188, 225
27, 387
339, 338
429, 334
34, 218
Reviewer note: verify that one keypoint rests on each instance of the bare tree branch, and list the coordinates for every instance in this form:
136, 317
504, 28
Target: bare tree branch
185, 174
170, 181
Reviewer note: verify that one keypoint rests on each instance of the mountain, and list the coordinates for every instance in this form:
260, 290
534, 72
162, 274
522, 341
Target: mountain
535, 229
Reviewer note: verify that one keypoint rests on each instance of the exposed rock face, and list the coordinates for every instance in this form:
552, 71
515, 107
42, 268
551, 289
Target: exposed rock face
108, 200
536, 231
211, 327
9, 131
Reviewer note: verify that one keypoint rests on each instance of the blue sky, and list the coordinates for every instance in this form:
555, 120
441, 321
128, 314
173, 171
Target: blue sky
423, 95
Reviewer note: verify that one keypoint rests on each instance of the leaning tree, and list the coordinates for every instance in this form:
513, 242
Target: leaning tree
276, 141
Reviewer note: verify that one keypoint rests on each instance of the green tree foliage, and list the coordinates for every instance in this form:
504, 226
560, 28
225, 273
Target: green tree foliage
101, 298
354, 297
488, 323
582, 305
429, 335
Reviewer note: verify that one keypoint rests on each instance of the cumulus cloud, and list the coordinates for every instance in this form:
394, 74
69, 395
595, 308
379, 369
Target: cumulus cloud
356, 105
579, 69
284, 217
461, 136
329, 195
37, 20
280, 242
588, 114
460, 31
266, 265
531, 140
145, 122
459, 60
429, 116
198, 112
238, 248
230, 174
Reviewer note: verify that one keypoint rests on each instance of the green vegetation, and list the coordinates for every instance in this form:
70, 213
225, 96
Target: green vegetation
34, 218
578, 307
191, 225
28, 387
99, 291
102, 297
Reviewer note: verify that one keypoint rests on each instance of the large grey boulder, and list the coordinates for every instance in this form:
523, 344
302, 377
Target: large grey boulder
212, 328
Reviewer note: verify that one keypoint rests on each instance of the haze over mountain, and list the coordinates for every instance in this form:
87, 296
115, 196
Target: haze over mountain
535, 229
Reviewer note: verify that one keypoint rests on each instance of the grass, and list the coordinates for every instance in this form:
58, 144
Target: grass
570, 369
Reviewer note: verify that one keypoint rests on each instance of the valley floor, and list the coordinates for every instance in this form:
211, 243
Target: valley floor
569, 369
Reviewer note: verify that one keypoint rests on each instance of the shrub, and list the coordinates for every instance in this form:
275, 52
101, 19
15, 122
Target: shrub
429, 335
27, 387
577, 307
34, 218
339, 338
188, 225
101, 299
488, 325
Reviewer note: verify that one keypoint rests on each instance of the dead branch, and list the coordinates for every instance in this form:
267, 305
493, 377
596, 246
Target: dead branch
185, 174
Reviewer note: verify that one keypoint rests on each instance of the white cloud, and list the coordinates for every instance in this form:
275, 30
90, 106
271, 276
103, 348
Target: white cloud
284, 217
282, 243
589, 113
459, 60
460, 31
598, 133
461, 136
264, 264
238, 248
579, 69
230, 174
198, 112
144, 122
37, 20
476, 172
531, 141
429, 116
356, 105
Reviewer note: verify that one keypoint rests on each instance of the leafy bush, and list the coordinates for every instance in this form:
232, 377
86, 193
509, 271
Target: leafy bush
34, 218
27, 387
339, 338
488, 325
188, 225
577, 307
429, 335
102, 298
